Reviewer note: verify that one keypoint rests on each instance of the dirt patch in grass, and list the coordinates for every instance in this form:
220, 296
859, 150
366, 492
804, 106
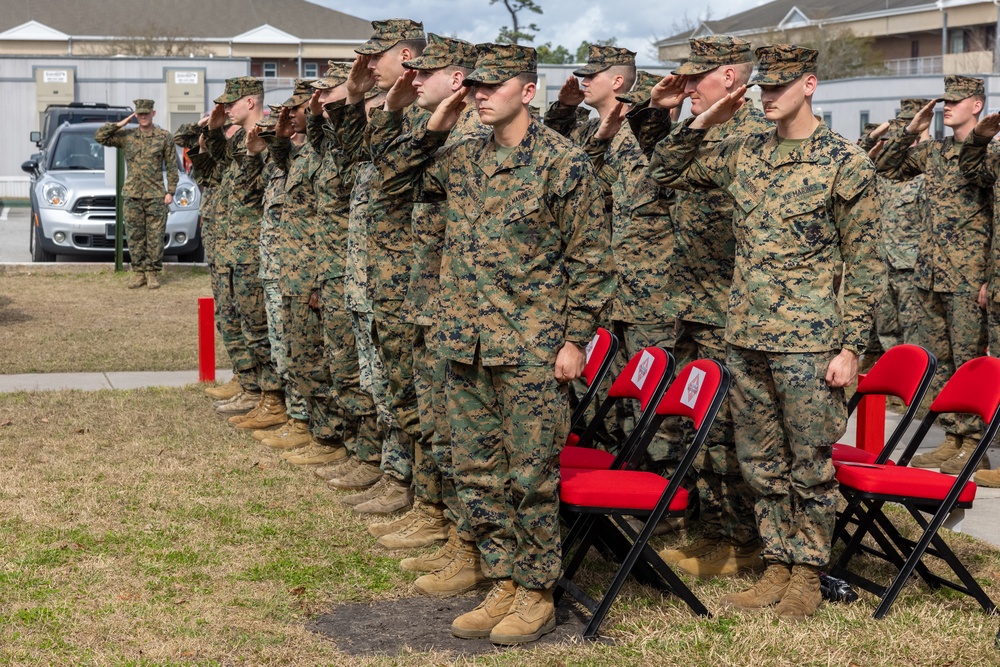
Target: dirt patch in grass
90, 322
137, 529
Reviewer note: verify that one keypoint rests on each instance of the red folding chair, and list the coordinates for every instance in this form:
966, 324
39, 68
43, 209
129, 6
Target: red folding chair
904, 371
973, 389
601, 351
601, 501
644, 379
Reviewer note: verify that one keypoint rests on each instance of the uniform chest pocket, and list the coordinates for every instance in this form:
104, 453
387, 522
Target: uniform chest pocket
806, 216
525, 228
745, 194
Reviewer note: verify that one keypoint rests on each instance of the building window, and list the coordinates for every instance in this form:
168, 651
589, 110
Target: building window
862, 121
939, 124
310, 70
270, 70
828, 118
915, 49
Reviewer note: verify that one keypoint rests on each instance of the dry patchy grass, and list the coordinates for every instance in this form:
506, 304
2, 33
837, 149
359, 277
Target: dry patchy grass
90, 322
136, 529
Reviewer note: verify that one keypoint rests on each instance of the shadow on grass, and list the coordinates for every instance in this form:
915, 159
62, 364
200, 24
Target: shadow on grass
10, 315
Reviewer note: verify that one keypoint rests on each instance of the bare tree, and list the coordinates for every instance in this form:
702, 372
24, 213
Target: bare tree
518, 32
681, 28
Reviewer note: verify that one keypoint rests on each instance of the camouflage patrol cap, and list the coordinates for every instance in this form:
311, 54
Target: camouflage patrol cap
444, 52
600, 58
336, 74
270, 120
644, 82
778, 64
867, 130
187, 135
909, 106
240, 86
957, 88
388, 33
302, 93
708, 53
143, 106
501, 62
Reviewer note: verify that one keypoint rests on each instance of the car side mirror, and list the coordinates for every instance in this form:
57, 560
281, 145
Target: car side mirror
36, 137
29, 166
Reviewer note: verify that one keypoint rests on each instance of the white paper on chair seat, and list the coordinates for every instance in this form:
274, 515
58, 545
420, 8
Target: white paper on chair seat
642, 370
590, 347
693, 388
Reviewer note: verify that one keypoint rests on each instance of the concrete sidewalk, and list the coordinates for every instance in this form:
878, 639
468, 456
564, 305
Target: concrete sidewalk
980, 522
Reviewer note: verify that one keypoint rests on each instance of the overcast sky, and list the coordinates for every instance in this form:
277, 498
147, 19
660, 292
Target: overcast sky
636, 23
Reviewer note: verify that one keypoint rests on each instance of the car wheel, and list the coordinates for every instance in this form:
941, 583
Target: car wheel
196, 255
38, 253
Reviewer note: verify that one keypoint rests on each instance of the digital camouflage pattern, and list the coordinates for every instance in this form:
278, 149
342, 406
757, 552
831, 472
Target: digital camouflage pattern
600, 58
309, 370
297, 257
778, 64
295, 404
145, 227
644, 82
301, 94
574, 123
444, 52
500, 62
388, 33
953, 250
714, 51
508, 424
902, 220
786, 420
240, 86
522, 235
795, 220
372, 379
958, 87
143, 106
148, 156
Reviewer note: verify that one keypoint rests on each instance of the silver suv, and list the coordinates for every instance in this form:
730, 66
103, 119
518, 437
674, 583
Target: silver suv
73, 211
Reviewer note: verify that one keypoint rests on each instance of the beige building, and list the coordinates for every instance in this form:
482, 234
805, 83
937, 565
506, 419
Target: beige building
282, 38
913, 37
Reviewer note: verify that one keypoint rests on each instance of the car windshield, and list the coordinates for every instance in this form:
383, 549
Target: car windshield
77, 150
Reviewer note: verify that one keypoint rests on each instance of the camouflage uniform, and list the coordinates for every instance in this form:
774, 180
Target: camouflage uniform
271, 239
901, 221
953, 253
980, 162
700, 280
390, 254
299, 277
241, 187
526, 267
794, 221
148, 155
334, 181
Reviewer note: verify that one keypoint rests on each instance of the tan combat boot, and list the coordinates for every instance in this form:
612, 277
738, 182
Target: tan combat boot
767, 591
699, 547
296, 436
436, 560
270, 412
954, 465
395, 496
532, 615
480, 622
362, 476
381, 528
260, 435
988, 478
947, 449
151, 280
802, 598
337, 468
224, 391
240, 405
724, 561
138, 280
464, 572
236, 419
366, 495
315, 454
429, 527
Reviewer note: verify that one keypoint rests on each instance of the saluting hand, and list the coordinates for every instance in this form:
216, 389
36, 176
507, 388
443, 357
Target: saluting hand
989, 126
255, 145
402, 94
284, 127
448, 112
315, 107
721, 111
668, 93
360, 80
611, 123
218, 117
571, 94
923, 119
125, 121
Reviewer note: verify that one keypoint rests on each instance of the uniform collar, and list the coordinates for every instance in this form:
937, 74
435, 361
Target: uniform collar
809, 151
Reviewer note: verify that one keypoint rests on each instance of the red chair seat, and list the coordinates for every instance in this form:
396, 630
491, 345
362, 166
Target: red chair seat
585, 457
850, 454
902, 481
572, 439
617, 489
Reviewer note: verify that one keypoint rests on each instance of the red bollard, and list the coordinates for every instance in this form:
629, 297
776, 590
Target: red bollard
206, 339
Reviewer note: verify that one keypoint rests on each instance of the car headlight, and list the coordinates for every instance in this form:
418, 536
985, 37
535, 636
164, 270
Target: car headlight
186, 196
54, 194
